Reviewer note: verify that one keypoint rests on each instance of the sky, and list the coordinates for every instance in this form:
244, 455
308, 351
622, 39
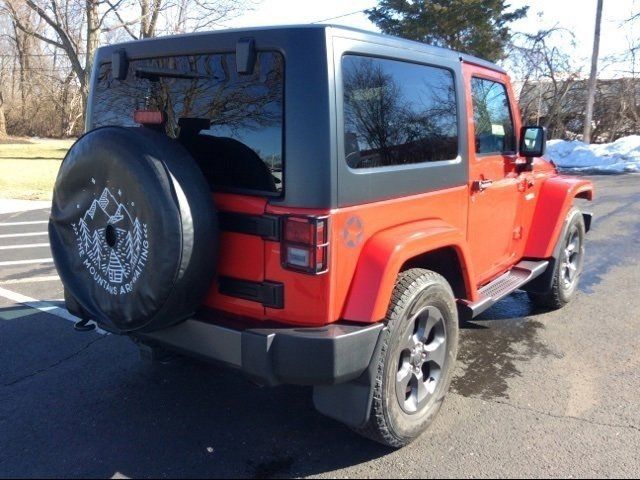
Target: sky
577, 16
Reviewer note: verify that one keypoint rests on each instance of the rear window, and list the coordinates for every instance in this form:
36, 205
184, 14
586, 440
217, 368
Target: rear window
231, 123
397, 113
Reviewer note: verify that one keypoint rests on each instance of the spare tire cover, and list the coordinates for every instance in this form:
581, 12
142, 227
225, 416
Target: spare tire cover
132, 230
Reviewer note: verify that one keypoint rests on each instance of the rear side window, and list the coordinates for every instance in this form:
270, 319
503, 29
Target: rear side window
397, 113
231, 123
494, 131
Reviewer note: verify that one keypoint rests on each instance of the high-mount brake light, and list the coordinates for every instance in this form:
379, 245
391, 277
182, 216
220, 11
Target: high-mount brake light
148, 117
305, 244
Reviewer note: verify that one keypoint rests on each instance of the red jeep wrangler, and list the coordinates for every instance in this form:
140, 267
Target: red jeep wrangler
311, 205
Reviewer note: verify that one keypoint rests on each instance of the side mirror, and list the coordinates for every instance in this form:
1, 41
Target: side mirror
533, 142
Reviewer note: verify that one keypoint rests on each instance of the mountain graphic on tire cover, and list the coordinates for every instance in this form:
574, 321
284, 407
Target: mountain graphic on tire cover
118, 263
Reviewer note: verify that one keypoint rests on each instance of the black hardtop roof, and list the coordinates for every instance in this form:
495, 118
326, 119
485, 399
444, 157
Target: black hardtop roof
420, 46
364, 35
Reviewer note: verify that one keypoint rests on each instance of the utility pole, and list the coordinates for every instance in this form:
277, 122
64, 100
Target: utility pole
593, 77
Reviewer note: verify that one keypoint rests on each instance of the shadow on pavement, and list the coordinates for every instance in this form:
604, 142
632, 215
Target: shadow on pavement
84, 405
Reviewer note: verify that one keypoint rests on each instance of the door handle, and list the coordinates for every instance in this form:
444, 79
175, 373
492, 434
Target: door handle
481, 185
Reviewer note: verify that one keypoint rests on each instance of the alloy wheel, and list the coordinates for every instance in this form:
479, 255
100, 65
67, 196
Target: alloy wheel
570, 267
422, 359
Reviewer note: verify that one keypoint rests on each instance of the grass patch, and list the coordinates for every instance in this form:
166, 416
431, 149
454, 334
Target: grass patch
29, 170
12, 140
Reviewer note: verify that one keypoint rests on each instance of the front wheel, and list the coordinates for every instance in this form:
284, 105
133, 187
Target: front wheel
569, 263
416, 361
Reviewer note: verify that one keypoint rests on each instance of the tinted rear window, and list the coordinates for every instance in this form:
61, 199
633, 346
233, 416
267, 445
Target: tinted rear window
397, 112
208, 106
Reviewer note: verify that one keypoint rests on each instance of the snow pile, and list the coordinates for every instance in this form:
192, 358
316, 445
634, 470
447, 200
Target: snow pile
621, 156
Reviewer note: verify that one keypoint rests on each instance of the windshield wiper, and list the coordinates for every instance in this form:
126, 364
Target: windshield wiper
154, 74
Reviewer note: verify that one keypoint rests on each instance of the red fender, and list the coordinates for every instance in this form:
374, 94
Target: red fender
383, 256
554, 201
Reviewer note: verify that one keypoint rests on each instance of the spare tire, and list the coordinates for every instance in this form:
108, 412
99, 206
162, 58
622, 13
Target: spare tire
133, 230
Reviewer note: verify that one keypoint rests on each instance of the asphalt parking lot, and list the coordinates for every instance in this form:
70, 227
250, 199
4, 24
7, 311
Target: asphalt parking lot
535, 394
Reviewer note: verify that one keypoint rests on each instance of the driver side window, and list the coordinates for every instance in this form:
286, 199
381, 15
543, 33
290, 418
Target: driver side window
494, 132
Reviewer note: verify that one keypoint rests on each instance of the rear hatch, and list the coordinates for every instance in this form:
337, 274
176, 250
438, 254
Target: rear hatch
232, 124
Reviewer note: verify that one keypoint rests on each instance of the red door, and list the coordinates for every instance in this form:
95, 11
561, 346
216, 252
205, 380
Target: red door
493, 178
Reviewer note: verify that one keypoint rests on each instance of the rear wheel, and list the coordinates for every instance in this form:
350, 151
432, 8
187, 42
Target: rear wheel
416, 362
568, 267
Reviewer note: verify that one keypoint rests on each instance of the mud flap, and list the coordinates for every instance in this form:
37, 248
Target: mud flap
350, 403
588, 218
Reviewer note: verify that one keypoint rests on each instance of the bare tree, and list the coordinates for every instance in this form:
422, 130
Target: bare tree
41, 94
159, 17
3, 120
553, 92
617, 101
23, 46
547, 77
591, 91
3, 82
76, 27
68, 22
616, 109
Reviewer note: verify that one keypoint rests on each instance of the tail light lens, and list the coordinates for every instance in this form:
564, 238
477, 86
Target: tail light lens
305, 244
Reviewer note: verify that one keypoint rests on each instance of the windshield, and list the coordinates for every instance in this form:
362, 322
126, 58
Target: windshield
231, 123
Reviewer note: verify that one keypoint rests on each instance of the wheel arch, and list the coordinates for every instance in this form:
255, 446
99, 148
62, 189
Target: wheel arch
556, 198
445, 261
430, 244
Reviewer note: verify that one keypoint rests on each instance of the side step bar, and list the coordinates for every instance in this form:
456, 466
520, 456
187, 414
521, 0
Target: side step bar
519, 275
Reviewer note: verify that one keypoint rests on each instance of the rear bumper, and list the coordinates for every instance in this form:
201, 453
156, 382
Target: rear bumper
327, 355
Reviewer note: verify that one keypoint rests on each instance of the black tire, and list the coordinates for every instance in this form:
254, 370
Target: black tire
422, 306
570, 259
132, 230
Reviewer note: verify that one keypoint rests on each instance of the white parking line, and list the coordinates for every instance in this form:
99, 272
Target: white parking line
26, 262
42, 306
16, 235
28, 245
15, 224
14, 281
17, 207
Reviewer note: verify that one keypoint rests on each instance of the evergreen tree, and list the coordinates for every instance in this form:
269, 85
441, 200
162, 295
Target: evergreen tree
129, 252
137, 237
96, 251
477, 27
85, 235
